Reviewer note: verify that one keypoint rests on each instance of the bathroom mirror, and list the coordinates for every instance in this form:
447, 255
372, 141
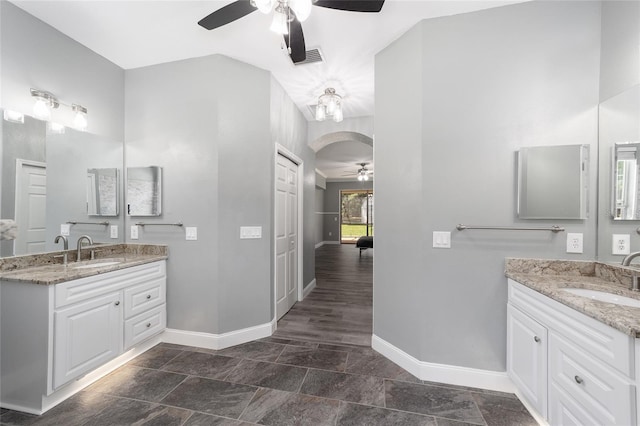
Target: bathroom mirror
44, 183
144, 191
553, 182
620, 128
102, 192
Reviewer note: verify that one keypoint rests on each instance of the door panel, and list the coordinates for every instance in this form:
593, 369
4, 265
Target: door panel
286, 235
31, 200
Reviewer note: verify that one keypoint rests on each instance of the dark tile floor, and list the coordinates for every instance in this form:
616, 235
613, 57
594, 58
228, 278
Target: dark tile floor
318, 369
273, 381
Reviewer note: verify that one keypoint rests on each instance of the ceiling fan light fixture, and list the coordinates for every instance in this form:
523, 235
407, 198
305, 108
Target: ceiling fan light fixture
302, 9
280, 22
263, 6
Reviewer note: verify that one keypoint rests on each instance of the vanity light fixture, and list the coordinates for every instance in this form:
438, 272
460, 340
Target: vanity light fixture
80, 120
46, 101
329, 105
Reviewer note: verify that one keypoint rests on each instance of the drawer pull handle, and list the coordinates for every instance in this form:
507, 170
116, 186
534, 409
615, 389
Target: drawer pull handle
579, 380
149, 325
148, 296
536, 339
117, 303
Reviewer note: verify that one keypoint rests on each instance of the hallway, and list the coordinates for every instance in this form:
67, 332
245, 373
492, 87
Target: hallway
340, 308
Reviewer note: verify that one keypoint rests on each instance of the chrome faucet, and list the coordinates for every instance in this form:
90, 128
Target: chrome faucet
65, 242
628, 258
82, 237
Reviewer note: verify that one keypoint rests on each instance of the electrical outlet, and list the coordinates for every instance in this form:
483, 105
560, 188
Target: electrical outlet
621, 244
441, 239
574, 242
191, 233
65, 229
330, 233
134, 232
113, 231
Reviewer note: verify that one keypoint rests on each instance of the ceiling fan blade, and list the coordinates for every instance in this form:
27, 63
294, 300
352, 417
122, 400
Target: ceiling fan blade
295, 42
352, 5
226, 14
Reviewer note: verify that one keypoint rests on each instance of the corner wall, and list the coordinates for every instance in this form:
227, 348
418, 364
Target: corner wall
472, 90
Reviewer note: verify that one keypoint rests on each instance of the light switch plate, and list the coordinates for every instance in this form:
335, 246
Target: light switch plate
113, 231
250, 232
441, 239
191, 233
621, 244
574, 242
65, 229
134, 232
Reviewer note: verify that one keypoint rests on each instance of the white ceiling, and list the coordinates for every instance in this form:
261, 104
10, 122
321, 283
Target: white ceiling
139, 33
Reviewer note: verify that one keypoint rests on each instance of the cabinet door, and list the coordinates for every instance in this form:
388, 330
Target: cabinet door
87, 335
527, 357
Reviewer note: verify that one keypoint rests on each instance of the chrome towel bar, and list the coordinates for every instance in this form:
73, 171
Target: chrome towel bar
554, 228
75, 222
158, 224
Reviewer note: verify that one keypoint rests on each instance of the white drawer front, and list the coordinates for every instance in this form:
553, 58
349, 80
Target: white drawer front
606, 395
144, 296
85, 288
600, 340
144, 326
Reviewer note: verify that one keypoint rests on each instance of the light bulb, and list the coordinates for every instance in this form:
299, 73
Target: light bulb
360, 178
337, 115
320, 112
331, 106
56, 128
302, 9
13, 116
41, 109
279, 23
264, 6
365, 176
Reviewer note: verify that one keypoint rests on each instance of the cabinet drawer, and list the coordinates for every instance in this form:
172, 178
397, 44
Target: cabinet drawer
85, 288
144, 326
144, 296
582, 381
596, 338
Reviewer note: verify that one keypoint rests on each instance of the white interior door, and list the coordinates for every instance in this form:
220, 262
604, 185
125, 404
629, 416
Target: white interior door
31, 201
286, 233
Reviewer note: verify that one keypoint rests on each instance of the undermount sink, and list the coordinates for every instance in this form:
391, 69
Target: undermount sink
603, 296
97, 264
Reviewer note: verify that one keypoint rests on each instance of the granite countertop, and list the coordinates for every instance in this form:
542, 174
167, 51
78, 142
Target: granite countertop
549, 277
47, 268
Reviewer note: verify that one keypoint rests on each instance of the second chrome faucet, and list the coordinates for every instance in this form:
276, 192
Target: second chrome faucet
79, 248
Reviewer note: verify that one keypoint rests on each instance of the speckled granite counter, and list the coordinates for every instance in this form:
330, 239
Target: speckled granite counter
47, 268
548, 277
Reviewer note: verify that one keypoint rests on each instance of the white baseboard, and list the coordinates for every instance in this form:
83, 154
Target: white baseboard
320, 244
443, 373
218, 341
331, 242
308, 289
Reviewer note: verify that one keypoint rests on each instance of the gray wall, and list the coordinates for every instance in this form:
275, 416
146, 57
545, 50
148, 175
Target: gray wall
619, 72
331, 216
473, 88
35, 55
319, 209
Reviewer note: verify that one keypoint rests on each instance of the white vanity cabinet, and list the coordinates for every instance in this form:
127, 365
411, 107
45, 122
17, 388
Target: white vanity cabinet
572, 369
54, 334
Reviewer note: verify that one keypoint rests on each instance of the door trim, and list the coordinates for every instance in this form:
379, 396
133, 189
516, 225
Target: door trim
281, 150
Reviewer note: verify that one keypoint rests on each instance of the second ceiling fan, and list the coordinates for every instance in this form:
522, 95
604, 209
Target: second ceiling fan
288, 15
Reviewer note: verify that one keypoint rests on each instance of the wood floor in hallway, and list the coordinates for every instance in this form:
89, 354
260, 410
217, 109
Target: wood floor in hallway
340, 308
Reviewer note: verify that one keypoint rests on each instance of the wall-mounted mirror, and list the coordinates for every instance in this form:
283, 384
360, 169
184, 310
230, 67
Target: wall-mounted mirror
144, 191
103, 192
44, 184
553, 182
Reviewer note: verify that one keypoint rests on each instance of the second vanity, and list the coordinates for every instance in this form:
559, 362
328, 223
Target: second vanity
573, 358
59, 323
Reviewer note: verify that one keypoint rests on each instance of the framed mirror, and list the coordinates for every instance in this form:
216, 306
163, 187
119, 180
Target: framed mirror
144, 191
625, 195
102, 192
553, 182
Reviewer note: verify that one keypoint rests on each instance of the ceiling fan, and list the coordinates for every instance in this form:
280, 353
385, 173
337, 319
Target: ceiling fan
287, 17
363, 173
